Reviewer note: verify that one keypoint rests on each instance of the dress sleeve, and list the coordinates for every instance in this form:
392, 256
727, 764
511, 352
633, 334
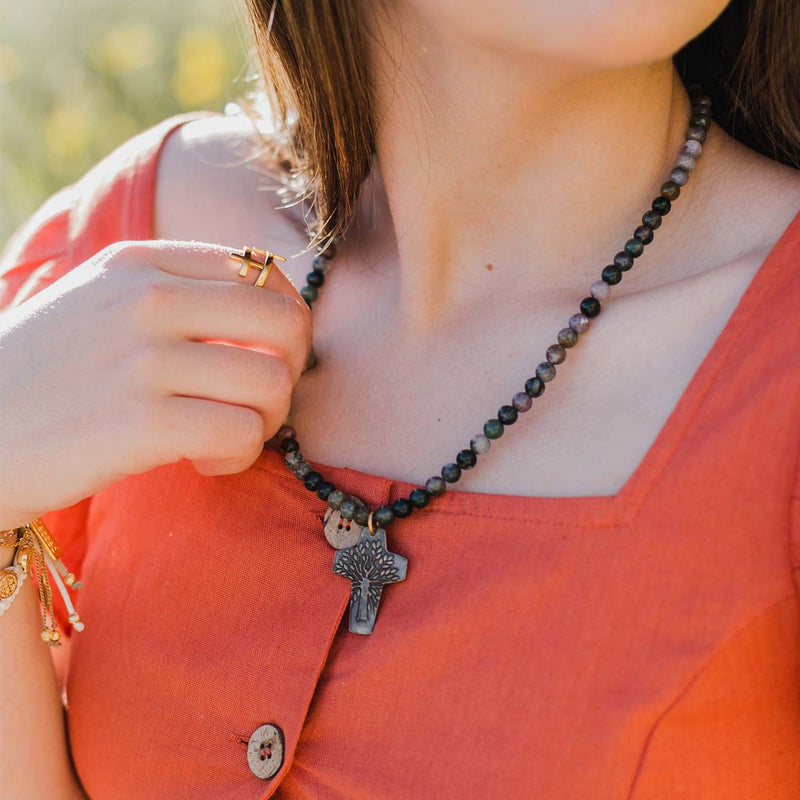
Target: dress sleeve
112, 202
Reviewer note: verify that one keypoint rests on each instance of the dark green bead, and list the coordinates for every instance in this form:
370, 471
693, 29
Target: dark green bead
466, 459
652, 219
336, 498
319, 263
492, 429
612, 275
670, 190
324, 490
566, 338
348, 509
383, 516
419, 498
590, 306
309, 294
643, 234
315, 278
699, 120
662, 206
634, 248
534, 387
451, 472
623, 261
361, 516
507, 415
312, 481
289, 445
435, 486
402, 508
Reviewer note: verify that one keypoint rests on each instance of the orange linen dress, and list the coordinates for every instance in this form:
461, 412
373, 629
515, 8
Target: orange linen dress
644, 645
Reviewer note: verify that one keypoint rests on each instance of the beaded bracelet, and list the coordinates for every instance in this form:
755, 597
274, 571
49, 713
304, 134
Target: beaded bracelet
36, 547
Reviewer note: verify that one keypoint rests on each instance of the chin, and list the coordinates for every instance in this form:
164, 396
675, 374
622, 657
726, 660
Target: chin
604, 34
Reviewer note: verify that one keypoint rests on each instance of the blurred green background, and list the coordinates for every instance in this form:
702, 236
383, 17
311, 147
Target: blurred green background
78, 78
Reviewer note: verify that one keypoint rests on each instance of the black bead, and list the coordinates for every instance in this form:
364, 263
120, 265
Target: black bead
652, 219
507, 415
534, 387
623, 261
612, 275
643, 234
383, 516
402, 508
695, 90
702, 105
348, 509
419, 498
466, 459
662, 205
670, 190
312, 481
451, 472
361, 517
590, 306
492, 429
435, 486
315, 278
698, 120
324, 489
289, 445
634, 248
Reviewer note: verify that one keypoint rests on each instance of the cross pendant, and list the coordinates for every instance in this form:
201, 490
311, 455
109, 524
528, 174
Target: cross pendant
370, 566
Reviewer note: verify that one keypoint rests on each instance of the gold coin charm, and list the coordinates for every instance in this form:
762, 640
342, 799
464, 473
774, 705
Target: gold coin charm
8, 583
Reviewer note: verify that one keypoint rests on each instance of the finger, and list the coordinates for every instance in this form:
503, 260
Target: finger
211, 311
228, 375
194, 428
212, 262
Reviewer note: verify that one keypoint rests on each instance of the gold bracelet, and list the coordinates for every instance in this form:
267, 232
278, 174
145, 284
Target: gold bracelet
36, 546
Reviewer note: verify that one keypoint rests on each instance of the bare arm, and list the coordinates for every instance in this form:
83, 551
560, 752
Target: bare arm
34, 756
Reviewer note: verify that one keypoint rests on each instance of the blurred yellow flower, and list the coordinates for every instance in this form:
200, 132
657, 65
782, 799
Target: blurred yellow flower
126, 48
67, 133
9, 63
201, 70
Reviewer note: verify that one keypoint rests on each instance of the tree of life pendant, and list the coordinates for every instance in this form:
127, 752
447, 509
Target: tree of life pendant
369, 565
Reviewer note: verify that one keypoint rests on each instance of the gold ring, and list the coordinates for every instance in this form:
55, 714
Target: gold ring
252, 257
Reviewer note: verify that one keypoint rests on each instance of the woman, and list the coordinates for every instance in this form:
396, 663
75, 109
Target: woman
604, 607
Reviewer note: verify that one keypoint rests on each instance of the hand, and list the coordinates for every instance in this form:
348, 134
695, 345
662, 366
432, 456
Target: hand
119, 367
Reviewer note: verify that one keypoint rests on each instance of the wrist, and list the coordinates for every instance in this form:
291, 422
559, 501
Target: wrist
6, 556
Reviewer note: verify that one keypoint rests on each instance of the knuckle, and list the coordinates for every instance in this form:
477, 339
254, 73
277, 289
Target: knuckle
294, 318
249, 429
279, 378
151, 429
152, 296
142, 365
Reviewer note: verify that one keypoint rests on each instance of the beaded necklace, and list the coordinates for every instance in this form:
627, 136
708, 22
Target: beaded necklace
357, 532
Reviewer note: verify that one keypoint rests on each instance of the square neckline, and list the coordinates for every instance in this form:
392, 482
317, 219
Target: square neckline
574, 511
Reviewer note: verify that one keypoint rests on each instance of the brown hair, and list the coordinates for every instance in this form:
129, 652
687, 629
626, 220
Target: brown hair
314, 60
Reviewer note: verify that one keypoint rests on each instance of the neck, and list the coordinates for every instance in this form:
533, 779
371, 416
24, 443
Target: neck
501, 178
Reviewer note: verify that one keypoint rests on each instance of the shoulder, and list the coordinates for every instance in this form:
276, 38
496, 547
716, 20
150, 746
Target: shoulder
111, 202
217, 181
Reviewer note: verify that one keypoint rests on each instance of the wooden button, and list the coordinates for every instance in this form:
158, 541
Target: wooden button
265, 751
